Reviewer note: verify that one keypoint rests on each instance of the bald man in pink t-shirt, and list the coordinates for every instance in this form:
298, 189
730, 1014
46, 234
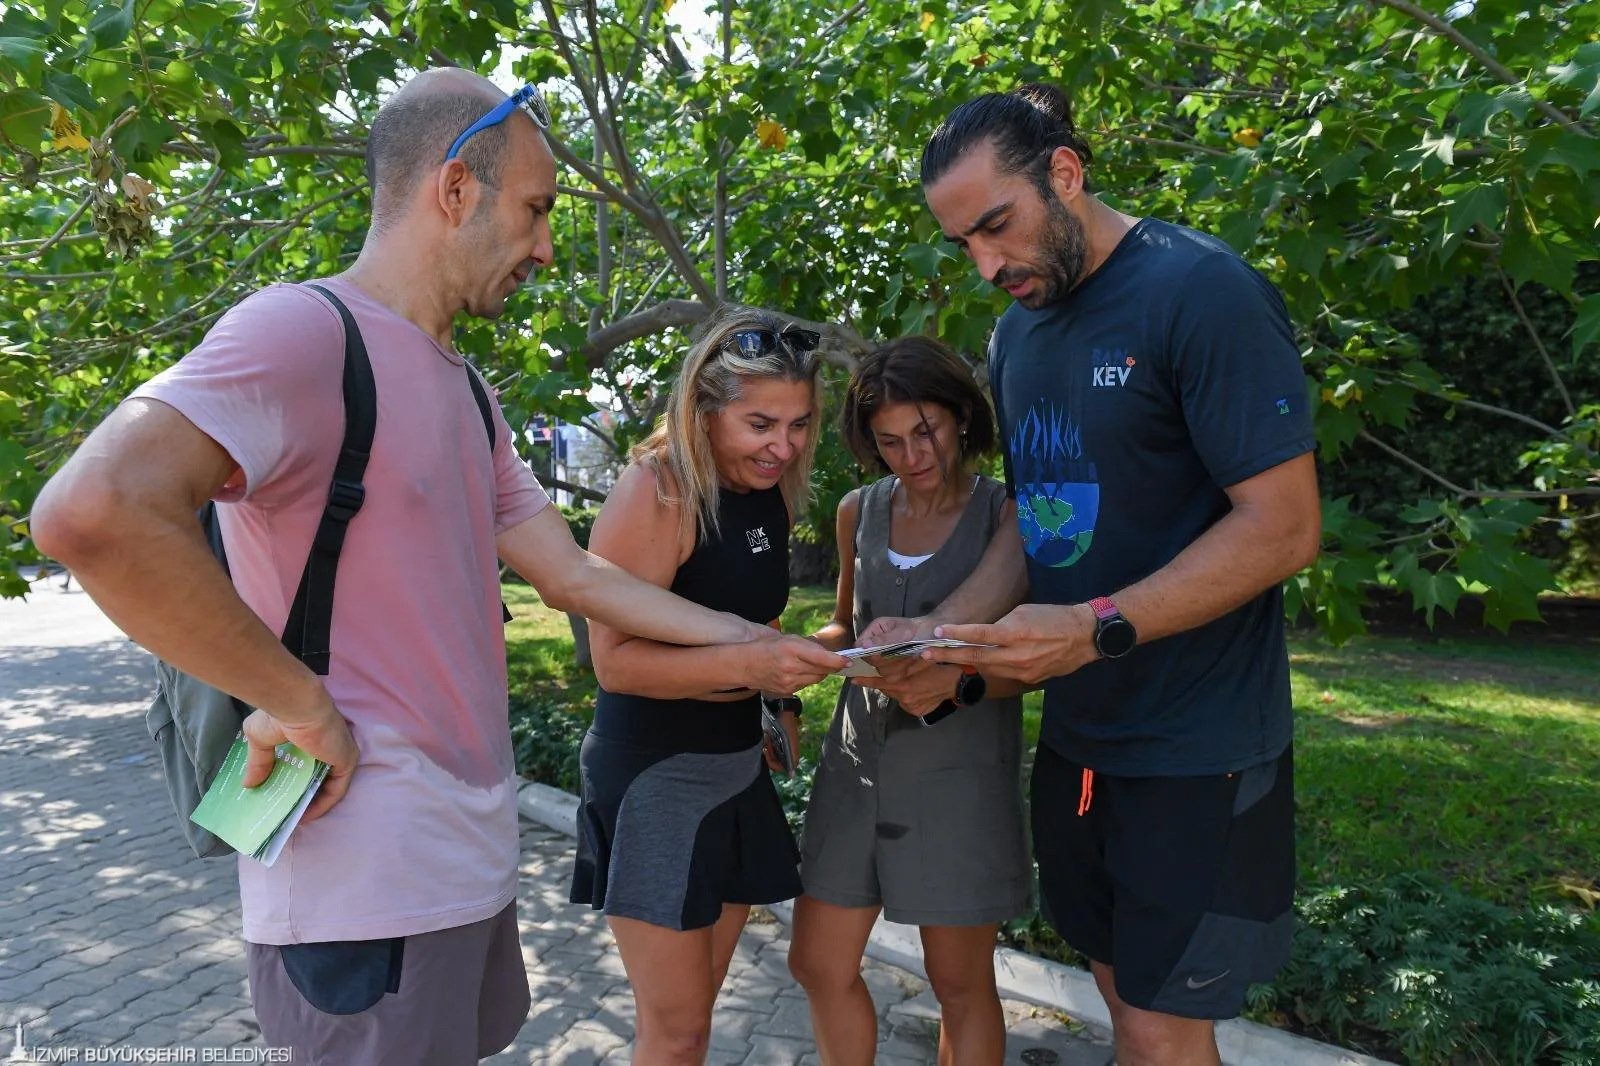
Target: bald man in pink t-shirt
386, 932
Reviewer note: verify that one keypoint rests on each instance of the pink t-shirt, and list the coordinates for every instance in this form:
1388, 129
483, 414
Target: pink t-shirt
426, 838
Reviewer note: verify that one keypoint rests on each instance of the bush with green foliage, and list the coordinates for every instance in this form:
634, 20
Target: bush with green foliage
1413, 966
545, 737
580, 520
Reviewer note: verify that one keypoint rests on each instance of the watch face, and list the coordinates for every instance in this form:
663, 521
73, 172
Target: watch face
1115, 637
971, 689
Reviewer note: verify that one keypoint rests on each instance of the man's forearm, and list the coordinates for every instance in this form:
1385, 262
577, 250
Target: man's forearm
610, 595
1229, 565
156, 578
999, 583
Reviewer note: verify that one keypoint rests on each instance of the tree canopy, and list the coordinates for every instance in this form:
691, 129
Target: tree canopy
164, 158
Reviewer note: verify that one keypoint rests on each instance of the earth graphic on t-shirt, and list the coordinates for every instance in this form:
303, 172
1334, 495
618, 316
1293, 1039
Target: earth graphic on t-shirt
1057, 521
1058, 489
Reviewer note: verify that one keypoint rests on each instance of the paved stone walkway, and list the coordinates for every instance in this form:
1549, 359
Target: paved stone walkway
112, 936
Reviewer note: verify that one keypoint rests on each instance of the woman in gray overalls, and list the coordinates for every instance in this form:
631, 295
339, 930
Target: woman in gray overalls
919, 817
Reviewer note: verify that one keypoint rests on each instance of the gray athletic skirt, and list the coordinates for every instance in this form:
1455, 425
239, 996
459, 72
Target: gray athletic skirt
669, 837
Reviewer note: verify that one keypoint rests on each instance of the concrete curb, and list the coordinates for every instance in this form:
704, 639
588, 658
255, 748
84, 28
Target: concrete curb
1018, 976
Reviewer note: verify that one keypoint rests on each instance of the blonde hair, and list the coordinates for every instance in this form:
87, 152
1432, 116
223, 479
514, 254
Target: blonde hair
713, 375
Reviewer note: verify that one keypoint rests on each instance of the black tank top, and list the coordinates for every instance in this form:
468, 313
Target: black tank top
743, 570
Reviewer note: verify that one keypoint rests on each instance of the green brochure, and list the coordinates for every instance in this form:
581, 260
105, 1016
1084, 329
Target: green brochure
257, 821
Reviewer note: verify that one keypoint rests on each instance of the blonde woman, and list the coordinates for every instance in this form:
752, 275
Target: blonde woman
680, 830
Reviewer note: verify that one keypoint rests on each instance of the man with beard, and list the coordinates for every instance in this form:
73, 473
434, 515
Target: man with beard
1156, 434
386, 932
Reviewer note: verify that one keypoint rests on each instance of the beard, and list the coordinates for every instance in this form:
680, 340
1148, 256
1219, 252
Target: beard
1059, 258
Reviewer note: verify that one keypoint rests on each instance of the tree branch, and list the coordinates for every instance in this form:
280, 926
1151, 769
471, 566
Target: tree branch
719, 196
847, 16
1463, 42
636, 59
181, 319
579, 491
23, 275
1488, 408
1471, 494
1527, 324
55, 238
668, 314
1186, 146
585, 169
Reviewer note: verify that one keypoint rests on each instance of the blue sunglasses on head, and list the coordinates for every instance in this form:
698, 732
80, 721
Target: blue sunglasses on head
528, 98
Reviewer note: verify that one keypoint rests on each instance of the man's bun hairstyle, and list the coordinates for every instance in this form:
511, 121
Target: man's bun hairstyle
1025, 125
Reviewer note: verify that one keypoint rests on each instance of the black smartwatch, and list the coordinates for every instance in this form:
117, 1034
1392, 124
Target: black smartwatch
778, 704
1114, 635
970, 689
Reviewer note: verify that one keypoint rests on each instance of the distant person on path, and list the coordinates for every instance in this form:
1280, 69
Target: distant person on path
1157, 438
680, 828
916, 811
386, 934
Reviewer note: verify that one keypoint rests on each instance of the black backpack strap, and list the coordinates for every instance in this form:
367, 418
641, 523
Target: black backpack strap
482, 399
309, 630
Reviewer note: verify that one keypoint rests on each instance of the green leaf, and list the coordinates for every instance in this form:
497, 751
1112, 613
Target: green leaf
24, 54
1476, 110
1434, 591
1586, 330
25, 116
69, 90
228, 139
1559, 146
111, 24
923, 260
368, 68
1239, 230
1582, 73
1480, 205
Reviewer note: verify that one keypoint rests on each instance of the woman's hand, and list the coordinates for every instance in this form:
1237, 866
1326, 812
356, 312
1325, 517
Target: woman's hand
890, 630
783, 665
917, 685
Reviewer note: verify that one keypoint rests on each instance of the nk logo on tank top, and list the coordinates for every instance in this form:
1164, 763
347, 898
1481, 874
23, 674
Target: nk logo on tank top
1058, 489
758, 539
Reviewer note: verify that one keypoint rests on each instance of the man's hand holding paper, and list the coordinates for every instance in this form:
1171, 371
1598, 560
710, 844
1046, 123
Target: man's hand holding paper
1032, 644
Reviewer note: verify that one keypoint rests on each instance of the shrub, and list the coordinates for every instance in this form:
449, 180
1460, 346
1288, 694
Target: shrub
580, 520
1411, 965
545, 737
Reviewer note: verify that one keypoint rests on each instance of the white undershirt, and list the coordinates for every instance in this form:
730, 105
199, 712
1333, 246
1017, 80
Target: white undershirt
906, 562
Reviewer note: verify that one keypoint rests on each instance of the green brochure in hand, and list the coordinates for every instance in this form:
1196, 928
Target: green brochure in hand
257, 821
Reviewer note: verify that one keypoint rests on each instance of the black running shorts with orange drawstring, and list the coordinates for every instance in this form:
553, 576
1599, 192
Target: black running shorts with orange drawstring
1183, 885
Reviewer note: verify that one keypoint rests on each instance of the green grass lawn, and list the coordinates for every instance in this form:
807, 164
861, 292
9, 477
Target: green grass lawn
1475, 759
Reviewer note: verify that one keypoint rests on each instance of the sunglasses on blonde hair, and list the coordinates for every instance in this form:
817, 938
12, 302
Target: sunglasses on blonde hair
754, 342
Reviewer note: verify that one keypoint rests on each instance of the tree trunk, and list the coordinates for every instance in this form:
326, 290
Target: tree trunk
811, 564
580, 641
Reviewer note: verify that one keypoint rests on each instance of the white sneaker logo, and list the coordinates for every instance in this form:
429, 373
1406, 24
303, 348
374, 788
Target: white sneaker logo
758, 539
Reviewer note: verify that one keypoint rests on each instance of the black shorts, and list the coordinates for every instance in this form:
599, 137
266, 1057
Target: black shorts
668, 837
1183, 885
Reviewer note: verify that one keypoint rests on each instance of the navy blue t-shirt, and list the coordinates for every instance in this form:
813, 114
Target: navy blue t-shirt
1125, 409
